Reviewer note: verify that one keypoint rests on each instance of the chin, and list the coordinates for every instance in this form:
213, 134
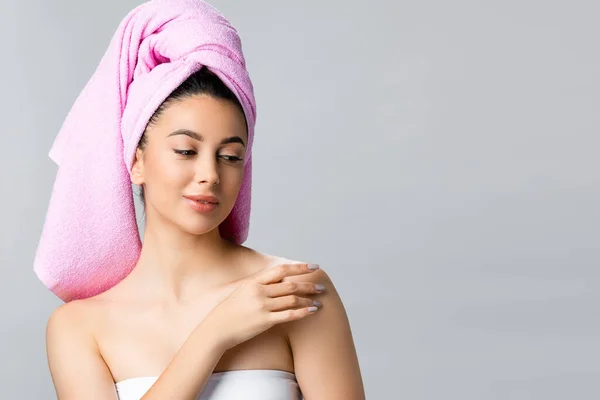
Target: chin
200, 224
198, 228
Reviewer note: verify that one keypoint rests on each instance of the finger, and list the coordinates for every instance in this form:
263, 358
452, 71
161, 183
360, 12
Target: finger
285, 288
289, 302
278, 272
279, 317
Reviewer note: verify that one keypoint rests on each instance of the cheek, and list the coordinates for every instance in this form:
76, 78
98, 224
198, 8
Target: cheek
175, 174
166, 172
232, 180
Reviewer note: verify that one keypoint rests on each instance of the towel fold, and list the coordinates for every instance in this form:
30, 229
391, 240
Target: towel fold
90, 240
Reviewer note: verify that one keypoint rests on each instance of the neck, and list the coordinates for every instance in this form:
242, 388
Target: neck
175, 265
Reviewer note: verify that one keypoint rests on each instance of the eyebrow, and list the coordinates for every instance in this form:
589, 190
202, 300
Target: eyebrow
200, 138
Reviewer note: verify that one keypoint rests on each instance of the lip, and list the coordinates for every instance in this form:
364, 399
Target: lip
201, 197
201, 207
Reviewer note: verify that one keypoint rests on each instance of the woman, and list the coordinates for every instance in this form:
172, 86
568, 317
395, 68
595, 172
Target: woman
200, 316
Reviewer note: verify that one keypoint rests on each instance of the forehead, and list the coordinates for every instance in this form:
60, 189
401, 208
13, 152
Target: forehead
203, 113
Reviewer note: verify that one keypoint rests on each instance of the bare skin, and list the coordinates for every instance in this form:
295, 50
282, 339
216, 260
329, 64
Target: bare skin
185, 269
138, 337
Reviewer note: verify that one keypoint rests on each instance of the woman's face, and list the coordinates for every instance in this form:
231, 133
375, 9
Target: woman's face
196, 147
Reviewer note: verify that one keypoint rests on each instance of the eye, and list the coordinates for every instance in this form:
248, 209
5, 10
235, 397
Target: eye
190, 153
232, 158
186, 153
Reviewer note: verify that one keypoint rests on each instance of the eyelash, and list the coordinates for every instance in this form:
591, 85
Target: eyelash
185, 154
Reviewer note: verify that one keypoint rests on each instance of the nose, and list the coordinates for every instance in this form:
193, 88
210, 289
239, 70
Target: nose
207, 170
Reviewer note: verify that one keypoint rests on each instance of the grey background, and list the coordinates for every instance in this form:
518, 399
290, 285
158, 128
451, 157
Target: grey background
438, 159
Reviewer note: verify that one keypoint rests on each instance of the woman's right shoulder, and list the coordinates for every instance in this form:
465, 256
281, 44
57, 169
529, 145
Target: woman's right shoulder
81, 312
69, 319
76, 365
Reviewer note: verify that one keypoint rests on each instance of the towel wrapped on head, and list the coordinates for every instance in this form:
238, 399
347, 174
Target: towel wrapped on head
90, 240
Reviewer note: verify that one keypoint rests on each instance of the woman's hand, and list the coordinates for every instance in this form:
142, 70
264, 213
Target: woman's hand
261, 302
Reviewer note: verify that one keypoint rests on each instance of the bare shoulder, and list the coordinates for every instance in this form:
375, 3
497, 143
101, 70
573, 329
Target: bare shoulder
76, 366
77, 316
69, 324
326, 364
68, 319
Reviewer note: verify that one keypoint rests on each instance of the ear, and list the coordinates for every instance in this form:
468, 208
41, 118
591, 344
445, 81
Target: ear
137, 168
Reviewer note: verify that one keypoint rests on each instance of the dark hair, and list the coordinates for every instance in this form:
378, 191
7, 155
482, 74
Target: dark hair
201, 82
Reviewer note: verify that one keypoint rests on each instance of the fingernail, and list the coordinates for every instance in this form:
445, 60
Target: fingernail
319, 287
313, 266
317, 303
312, 309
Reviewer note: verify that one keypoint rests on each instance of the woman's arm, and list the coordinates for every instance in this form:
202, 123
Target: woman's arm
325, 360
76, 366
79, 371
189, 371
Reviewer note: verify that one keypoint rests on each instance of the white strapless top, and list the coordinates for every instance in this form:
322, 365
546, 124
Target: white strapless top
253, 384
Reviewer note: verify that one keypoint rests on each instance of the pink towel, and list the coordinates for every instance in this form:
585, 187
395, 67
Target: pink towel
90, 239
